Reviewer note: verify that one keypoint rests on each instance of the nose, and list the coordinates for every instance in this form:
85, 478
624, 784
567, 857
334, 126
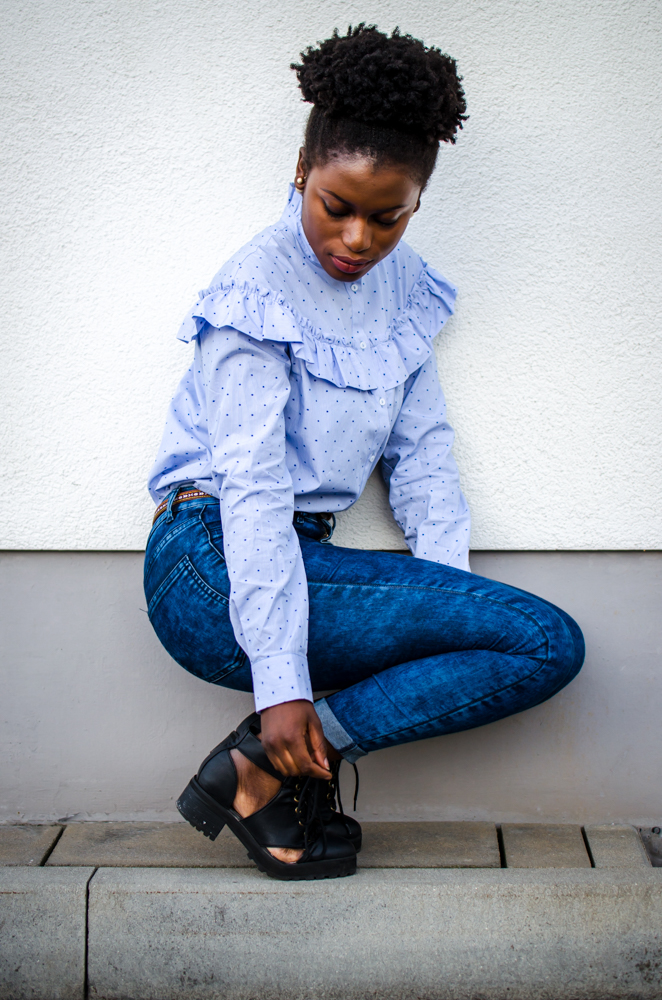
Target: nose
357, 235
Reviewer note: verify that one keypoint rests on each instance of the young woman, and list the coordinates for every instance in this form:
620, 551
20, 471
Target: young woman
314, 365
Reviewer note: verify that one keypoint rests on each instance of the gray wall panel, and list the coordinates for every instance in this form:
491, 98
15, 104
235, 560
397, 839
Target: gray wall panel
98, 721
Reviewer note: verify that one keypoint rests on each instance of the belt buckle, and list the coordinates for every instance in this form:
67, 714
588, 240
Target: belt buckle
329, 522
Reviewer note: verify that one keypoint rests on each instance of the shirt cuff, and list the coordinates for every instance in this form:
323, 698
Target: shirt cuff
280, 678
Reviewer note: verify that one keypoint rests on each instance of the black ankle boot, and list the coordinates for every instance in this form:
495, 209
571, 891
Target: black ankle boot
291, 819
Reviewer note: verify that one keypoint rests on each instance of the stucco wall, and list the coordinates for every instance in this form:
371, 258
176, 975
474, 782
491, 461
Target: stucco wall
144, 142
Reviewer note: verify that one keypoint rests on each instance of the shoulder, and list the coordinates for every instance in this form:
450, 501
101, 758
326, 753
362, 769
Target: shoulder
415, 284
404, 266
267, 261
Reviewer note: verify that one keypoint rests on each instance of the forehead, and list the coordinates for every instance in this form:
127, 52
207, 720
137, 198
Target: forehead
360, 181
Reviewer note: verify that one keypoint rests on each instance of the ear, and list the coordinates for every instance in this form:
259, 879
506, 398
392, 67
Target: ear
418, 204
301, 163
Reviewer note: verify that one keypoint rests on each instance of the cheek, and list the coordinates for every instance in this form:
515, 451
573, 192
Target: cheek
315, 227
388, 239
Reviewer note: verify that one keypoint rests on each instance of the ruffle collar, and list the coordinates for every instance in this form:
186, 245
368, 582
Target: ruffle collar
291, 217
265, 314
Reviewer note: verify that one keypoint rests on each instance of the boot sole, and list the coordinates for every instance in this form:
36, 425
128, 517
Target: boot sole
209, 817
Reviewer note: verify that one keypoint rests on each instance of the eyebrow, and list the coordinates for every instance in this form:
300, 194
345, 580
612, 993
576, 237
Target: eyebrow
380, 211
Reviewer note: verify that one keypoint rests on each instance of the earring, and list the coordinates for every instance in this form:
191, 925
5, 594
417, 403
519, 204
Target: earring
301, 181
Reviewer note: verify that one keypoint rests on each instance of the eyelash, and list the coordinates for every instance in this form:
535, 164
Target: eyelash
341, 215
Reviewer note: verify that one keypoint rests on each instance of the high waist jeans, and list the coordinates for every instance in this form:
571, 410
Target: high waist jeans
416, 649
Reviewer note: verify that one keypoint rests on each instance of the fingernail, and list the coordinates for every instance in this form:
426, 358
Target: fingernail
326, 764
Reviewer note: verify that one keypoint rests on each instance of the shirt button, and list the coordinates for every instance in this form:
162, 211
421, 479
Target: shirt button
382, 402
371, 458
355, 288
362, 345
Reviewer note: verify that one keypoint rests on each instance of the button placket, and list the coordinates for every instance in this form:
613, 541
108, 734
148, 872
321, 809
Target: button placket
384, 419
355, 293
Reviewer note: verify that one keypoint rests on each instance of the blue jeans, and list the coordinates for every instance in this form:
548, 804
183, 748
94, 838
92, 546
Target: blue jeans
416, 649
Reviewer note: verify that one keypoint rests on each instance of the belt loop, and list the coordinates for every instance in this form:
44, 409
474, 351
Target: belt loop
171, 499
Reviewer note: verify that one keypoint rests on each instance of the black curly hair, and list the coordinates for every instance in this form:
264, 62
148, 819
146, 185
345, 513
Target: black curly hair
390, 99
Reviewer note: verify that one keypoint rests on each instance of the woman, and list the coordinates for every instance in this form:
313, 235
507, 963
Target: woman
314, 364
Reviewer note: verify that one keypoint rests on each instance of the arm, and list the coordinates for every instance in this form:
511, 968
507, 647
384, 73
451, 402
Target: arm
247, 387
423, 480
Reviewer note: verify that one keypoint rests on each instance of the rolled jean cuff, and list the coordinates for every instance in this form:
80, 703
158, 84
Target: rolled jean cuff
336, 735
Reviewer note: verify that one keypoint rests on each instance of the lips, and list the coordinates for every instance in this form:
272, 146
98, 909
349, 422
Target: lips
348, 265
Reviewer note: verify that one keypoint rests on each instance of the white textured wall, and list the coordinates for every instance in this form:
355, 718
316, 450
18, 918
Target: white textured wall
145, 141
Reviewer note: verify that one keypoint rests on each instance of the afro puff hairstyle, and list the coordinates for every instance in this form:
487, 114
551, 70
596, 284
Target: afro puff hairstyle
390, 99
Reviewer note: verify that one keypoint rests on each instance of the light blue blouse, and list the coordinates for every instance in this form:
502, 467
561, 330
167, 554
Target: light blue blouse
299, 386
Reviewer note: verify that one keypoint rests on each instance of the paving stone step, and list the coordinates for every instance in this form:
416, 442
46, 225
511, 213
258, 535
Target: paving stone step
27, 845
544, 845
429, 845
616, 847
386, 845
146, 845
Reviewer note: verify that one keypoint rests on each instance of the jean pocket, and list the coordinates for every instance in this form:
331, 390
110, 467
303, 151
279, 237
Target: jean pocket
192, 621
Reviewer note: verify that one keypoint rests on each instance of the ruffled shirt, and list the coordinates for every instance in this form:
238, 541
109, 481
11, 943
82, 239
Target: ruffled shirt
300, 385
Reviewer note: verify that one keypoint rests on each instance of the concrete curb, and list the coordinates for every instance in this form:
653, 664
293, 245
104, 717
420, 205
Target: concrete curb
428, 916
43, 932
173, 934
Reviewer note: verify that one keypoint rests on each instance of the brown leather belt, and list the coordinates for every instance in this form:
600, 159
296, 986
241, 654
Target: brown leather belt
328, 521
182, 495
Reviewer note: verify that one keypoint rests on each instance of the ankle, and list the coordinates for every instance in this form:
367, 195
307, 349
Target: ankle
255, 788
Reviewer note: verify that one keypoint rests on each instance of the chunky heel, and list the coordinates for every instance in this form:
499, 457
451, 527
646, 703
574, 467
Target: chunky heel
198, 813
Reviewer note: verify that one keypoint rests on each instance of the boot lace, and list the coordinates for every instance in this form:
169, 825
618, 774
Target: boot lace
308, 810
333, 790
311, 796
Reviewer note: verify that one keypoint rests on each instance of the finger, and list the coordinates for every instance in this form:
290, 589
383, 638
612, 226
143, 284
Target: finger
306, 764
283, 758
280, 759
318, 746
295, 759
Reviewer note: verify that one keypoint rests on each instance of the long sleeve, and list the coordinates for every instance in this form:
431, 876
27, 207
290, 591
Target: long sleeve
246, 384
423, 479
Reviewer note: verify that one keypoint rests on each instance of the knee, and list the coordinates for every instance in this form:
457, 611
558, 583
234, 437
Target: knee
566, 648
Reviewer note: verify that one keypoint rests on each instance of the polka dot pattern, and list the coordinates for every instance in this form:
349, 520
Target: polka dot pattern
299, 385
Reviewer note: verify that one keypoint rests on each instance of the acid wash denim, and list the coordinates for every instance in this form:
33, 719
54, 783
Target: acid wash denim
416, 649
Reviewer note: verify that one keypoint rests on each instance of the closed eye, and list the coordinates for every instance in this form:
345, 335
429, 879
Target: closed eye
342, 215
334, 215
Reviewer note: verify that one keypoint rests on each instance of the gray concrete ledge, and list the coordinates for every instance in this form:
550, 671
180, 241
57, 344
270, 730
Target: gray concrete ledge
429, 915
43, 933
171, 934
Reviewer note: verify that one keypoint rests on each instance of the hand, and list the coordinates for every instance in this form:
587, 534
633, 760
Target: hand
293, 738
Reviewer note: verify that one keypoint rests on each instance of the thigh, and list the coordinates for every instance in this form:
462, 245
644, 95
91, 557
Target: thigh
188, 590
370, 611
